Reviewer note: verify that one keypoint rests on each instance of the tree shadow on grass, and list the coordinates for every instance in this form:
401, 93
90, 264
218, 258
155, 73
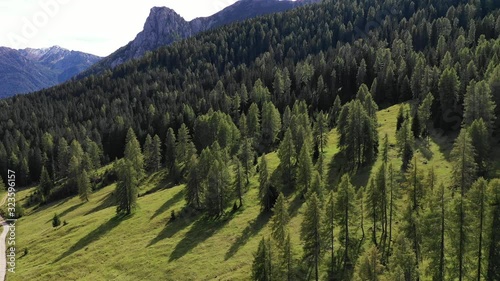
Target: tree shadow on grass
200, 231
336, 168
68, 210
93, 236
251, 230
71, 209
184, 218
174, 199
106, 202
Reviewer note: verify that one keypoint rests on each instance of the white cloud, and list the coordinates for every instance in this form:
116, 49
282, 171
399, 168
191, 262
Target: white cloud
93, 26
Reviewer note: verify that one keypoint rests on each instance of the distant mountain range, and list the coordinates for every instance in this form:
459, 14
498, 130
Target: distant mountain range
28, 70
164, 26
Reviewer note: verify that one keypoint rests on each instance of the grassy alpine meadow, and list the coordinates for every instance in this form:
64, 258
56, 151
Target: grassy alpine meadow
94, 243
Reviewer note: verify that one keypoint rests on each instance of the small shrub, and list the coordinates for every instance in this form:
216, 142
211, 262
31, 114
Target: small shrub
56, 221
172, 216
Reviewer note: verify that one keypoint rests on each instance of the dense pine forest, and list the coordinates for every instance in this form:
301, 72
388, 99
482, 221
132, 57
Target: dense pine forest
208, 110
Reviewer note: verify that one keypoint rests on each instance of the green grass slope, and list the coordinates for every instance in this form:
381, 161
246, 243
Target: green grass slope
98, 245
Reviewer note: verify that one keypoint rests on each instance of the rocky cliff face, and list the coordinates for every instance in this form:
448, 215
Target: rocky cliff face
164, 26
28, 70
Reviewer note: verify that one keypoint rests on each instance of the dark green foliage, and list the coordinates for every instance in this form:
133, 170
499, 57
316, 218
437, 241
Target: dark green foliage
194, 186
480, 138
493, 271
358, 138
400, 118
405, 143
267, 192
56, 221
279, 221
170, 150
45, 185
304, 169
261, 269
415, 125
310, 234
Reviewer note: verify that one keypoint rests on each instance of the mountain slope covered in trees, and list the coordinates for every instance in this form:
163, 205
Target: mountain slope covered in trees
164, 27
29, 70
243, 113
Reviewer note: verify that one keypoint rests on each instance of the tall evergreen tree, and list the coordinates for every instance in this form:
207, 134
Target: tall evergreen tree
271, 125
463, 175
405, 144
170, 150
45, 185
260, 266
304, 169
194, 186
493, 271
328, 232
369, 265
479, 104
311, 234
321, 131
279, 221
267, 193
84, 187
286, 154
344, 212
476, 199
127, 186
480, 138
246, 155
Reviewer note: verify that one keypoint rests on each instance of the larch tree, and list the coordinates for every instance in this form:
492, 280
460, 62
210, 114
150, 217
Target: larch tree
425, 115
267, 193
311, 234
279, 221
479, 104
477, 201
194, 186
84, 187
239, 182
433, 222
287, 156
369, 266
320, 131
127, 186
304, 169
480, 137
279, 232
493, 223
463, 175
405, 144
130, 171
253, 122
218, 182
271, 125
344, 213
156, 155
45, 185
328, 227
147, 150
246, 155
448, 90
170, 141
261, 270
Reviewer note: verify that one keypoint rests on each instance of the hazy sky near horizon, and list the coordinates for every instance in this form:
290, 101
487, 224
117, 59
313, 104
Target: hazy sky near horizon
98, 27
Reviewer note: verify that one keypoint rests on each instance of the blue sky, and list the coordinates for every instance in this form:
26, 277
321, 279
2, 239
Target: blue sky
94, 26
